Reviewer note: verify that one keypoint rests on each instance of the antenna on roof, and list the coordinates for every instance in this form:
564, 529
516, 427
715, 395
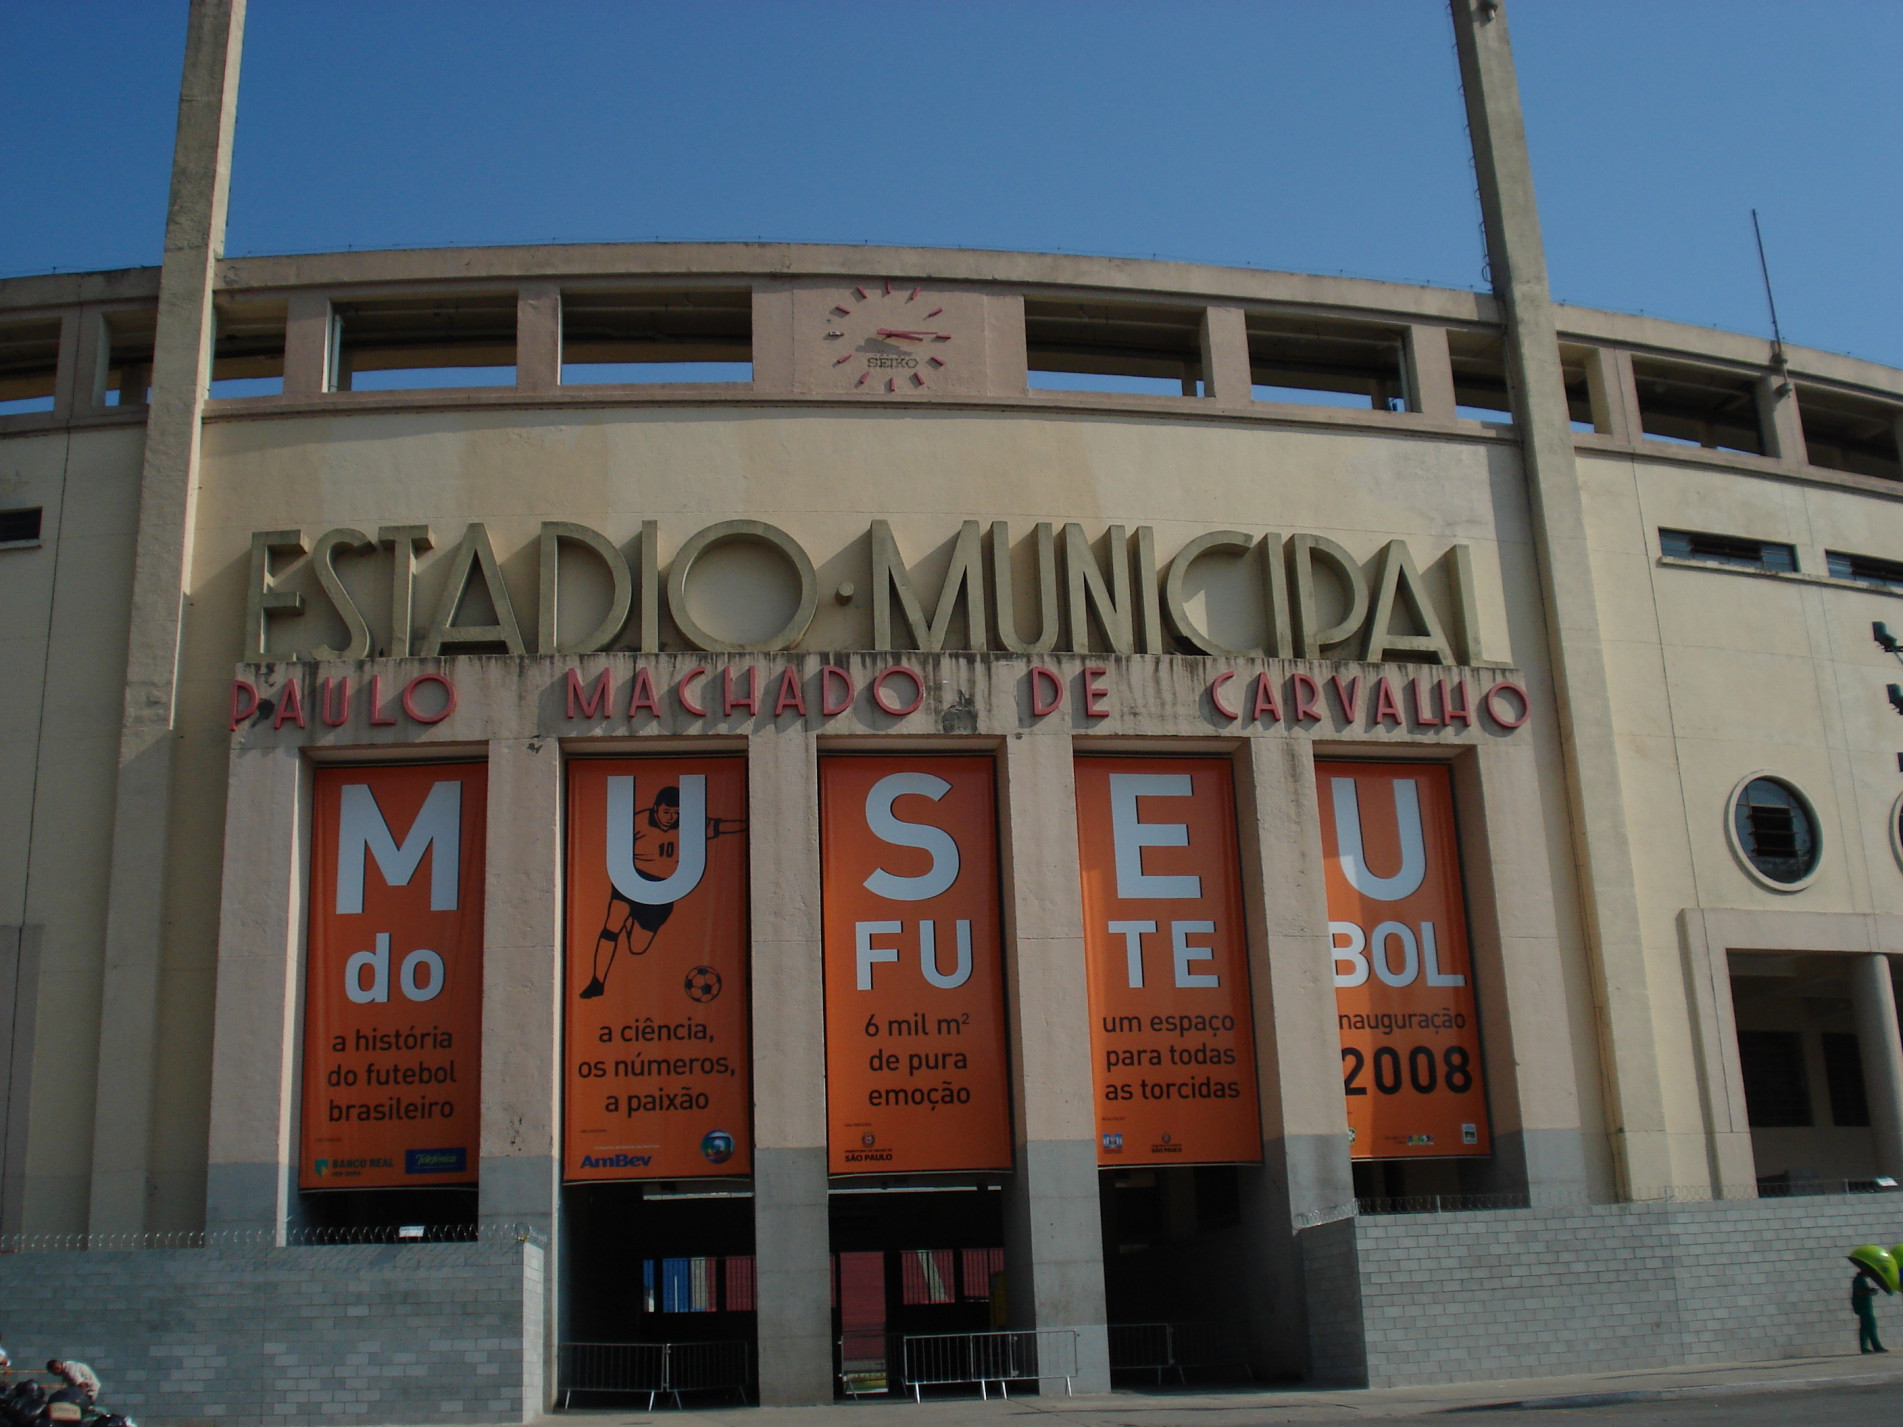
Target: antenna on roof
1777, 334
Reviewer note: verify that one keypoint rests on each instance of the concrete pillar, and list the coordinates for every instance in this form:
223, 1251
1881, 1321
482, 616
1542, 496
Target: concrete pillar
1226, 374
70, 389
1430, 373
91, 360
1874, 1000
307, 330
1053, 1233
1614, 394
1298, 1048
1635, 1100
773, 338
19, 1016
162, 560
1519, 978
522, 986
538, 337
792, 1240
1778, 421
252, 1148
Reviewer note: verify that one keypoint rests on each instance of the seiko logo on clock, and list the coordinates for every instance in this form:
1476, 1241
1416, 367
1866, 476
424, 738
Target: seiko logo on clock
889, 337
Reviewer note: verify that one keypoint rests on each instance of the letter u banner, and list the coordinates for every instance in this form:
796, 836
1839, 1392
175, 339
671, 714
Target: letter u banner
915, 1038
659, 1039
1170, 1026
1404, 997
393, 978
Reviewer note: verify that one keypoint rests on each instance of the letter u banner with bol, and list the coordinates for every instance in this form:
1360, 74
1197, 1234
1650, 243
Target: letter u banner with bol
1170, 1026
1404, 997
393, 978
915, 1038
659, 1040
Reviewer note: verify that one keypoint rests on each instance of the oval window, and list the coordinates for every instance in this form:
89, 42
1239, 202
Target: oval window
1776, 830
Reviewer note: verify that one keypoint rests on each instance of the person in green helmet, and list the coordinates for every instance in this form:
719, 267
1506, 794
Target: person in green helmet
1876, 1268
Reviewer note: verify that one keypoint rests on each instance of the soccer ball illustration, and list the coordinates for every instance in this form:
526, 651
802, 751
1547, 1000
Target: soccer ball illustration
702, 983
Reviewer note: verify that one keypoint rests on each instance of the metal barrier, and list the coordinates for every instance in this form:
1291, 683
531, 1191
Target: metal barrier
1174, 1347
654, 1368
1031, 1355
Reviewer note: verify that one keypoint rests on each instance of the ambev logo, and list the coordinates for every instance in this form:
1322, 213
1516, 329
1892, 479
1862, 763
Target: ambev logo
435, 1161
616, 1161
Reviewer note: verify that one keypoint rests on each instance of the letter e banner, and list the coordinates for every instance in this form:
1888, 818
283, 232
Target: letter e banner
1404, 996
1171, 1032
915, 1037
393, 978
659, 1040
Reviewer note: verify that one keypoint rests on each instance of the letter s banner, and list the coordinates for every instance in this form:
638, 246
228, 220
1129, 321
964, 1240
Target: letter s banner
915, 1035
393, 977
658, 1044
1404, 997
1171, 1033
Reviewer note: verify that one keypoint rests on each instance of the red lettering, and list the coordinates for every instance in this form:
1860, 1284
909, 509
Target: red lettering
1387, 704
593, 704
1267, 701
898, 710
728, 703
790, 695
377, 719
1418, 688
449, 698
1493, 709
831, 677
1462, 712
1348, 696
1047, 691
244, 702
1215, 695
334, 714
682, 691
1094, 695
1308, 696
290, 706
643, 696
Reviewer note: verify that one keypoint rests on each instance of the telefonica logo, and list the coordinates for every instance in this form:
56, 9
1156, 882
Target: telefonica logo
450, 1161
616, 1161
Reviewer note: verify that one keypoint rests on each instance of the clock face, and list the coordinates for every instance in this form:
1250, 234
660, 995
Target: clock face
888, 337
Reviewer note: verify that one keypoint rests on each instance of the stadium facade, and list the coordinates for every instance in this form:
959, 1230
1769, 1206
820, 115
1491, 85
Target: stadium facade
790, 799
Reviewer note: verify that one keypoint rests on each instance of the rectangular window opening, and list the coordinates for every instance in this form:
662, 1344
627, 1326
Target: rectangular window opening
1698, 406
635, 336
20, 529
1478, 357
1736, 550
1776, 1092
29, 367
1847, 432
1128, 348
127, 377
1307, 361
1572, 367
1843, 1078
248, 354
421, 344
1869, 569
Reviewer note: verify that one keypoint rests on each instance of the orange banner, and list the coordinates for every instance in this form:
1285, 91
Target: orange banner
393, 978
1410, 1039
915, 1035
659, 1043
1170, 1027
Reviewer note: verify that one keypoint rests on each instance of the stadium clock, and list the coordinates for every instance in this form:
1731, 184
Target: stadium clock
888, 337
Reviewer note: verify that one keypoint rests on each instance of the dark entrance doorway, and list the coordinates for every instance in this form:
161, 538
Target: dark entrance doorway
647, 1264
910, 1261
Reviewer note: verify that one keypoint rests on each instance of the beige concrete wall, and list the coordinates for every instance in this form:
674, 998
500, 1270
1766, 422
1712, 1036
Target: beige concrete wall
62, 649
1718, 675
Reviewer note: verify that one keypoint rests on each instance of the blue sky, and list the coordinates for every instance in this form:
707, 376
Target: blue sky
1274, 133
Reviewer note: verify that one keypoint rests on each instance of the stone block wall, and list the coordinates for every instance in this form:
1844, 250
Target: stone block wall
369, 1334
1534, 1292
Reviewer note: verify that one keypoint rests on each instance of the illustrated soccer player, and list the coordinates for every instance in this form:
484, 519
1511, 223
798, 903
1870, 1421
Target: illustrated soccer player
657, 849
